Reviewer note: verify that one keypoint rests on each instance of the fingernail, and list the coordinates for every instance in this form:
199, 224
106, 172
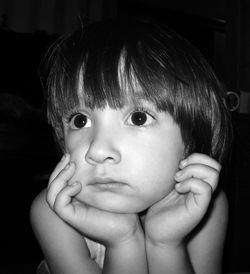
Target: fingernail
183, 163
178, 174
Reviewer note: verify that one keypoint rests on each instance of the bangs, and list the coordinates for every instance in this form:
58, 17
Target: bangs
120, 81
111, 68
116, 80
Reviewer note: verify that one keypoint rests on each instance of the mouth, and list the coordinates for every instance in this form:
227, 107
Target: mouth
107, 184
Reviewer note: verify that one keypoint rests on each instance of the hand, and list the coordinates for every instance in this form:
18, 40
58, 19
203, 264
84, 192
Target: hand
107, 227
176, 215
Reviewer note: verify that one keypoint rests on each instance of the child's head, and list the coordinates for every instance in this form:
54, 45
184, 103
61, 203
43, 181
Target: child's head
113, 58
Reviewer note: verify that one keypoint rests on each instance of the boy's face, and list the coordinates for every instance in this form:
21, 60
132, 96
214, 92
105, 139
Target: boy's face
125, 158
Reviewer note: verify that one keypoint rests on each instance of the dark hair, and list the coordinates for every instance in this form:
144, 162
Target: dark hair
171, 73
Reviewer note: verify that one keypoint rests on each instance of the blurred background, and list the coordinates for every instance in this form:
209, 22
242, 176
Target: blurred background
219, 28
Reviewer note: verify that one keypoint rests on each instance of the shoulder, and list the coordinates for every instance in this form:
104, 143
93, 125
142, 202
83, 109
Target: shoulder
205, 244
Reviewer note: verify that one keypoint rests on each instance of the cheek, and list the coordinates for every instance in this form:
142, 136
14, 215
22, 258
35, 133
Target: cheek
158, 164
160, 157
71, 143
75, 143
82, 171
77, 149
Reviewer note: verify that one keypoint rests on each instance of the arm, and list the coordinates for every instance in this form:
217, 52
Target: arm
205, 245
182, 227
127, 258
202, 252
64, 248
169, 259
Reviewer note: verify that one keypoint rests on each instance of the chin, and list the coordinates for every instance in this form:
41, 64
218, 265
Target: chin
114, 203
119, 207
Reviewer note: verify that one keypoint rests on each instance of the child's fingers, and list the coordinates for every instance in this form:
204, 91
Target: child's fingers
59, 183
201, 190
198, 158
63, 205
61, 165
203, 172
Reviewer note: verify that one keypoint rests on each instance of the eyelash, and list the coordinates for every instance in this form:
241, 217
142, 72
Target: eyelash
71, 115
143, 110
74, 113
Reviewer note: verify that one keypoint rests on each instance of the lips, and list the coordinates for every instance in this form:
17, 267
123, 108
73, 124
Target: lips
106, 183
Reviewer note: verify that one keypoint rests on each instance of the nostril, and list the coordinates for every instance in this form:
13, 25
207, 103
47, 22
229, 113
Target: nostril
99, 156
109, 159
103, 148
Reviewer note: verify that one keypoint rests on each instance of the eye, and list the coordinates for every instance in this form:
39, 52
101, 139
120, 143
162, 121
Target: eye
79, 120
140, 118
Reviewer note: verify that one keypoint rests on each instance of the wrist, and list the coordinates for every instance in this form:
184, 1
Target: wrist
164, 243
134, 238
168, 258
164, 246
124, 253
128, 231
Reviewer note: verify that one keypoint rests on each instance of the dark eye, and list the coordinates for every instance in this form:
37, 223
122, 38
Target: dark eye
140, 118
79, 120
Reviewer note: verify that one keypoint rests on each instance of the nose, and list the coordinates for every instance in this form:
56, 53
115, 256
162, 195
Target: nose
103, 148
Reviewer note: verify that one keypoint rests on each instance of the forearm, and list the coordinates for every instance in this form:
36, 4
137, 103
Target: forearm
127, 258
168, 259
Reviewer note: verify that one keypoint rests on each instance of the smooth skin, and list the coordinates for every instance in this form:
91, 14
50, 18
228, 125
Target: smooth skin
184, 227
110, 146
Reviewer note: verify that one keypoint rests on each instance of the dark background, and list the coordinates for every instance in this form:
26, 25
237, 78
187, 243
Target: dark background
219, 28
